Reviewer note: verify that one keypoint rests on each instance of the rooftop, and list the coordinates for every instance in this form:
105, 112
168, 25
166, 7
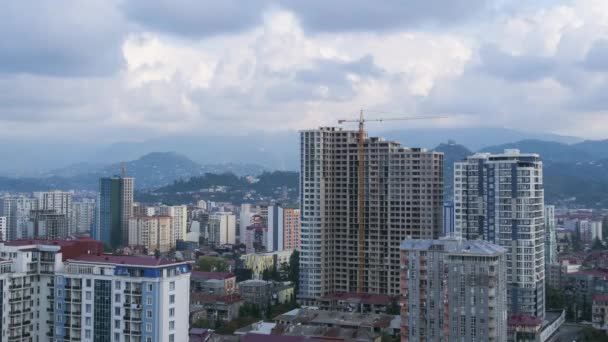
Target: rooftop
522, 319
211, 275
123, 260
203, 298
333, 318
600, 297
454, 246
60, 243
365, 298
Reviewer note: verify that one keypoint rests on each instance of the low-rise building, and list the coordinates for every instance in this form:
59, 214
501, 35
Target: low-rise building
259, 262
214, 307
218, 283
356, 302
600, 312
264, 293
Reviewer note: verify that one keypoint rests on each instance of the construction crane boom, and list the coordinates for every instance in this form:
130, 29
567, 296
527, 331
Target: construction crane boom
361, 184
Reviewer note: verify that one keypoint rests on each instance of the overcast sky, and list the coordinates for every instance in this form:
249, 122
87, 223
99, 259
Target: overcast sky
115, 70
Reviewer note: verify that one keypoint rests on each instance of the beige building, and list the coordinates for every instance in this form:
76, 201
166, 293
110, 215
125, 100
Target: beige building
291, 229
403, 189
179, 221
151, 232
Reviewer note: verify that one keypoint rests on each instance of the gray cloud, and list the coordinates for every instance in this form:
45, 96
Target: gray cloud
514, 68
597, 56
61, 37
380, 15
196, 18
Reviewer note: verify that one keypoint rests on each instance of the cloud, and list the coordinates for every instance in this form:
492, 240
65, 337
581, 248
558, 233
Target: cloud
61, 37
514, 68
196, 18
597, 57
364, 15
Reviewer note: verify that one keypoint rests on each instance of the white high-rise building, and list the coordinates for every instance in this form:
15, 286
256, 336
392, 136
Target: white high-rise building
403, 197
83, 216
500, 198
222, 229
179, 219
3, 228
550, 236
60, 201
17, 211
152, 232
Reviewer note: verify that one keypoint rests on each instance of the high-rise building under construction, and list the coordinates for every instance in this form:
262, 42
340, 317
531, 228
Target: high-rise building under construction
402, 197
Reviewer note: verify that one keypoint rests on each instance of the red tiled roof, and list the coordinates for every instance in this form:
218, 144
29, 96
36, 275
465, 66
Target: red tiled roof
26, 242
597, 273
600, 298
522, 319
211, 275
366, 298
68, 248
250, 337
123, 259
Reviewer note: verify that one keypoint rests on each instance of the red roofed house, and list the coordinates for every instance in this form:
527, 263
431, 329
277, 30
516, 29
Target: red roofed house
523, 327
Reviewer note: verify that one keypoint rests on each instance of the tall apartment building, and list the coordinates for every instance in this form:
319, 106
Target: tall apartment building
448, 219
66, 291
589, 230
283, 229
3, 228
47, 224
222, 228
500, 198
114, 209
453, 290
17, 210
83, 216
550, 236
403, 189
179, 221
59, 201
152, 232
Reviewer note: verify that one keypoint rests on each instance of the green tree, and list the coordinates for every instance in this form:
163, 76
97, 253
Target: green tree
593, 335
212, 264
555, 298
294, 270
393, 308
157, 253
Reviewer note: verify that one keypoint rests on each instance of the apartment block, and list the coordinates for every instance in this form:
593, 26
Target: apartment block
59, 201
500, 198
453, 290
3, 228
114, 209
403, 198
550, 236
222, 228
154, 233
179, 221
83, 216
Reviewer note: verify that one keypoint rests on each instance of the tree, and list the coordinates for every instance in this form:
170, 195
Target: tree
393, 309
294, 270
157, 253
597, 245
555, 298
212, 264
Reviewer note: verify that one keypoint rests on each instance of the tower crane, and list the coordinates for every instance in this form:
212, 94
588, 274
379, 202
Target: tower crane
361, 175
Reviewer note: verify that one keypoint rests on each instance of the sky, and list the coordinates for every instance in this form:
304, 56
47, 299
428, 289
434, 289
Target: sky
111, 70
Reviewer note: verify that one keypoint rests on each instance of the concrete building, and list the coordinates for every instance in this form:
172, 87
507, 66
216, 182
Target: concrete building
600, 312
403, 190
114, 209
291, 229
83, 216
264, 293
500, 198
47, 224
151, 232
215, 307
259, 262
283, 229
550, 236
246, 215
453, 290
3, 228
179, 221
17, 210
448, 219
256, 236
356, 302
216, 283
590, 230
59, 201
222, 229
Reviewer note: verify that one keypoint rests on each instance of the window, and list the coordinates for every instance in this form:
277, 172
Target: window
172, 312
148, 339
58, 319
88, 282
172, 338
172, 325
148, 327
87, 333
117, 311
116, 324
149, 287
117, 298
87, 321
148, 313
149, 300
172, 286
172, 299
87, 308
88, 295
117, 284
116, 337
59, 307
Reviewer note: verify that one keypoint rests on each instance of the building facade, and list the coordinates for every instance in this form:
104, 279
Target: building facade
453, 290
48, 224
114, 209
500, 198
59, 201
291, 229
17, 210
403, 189
222, 229
179, 220
550, 236
83, 216
151, 232
283, 229
3, 228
